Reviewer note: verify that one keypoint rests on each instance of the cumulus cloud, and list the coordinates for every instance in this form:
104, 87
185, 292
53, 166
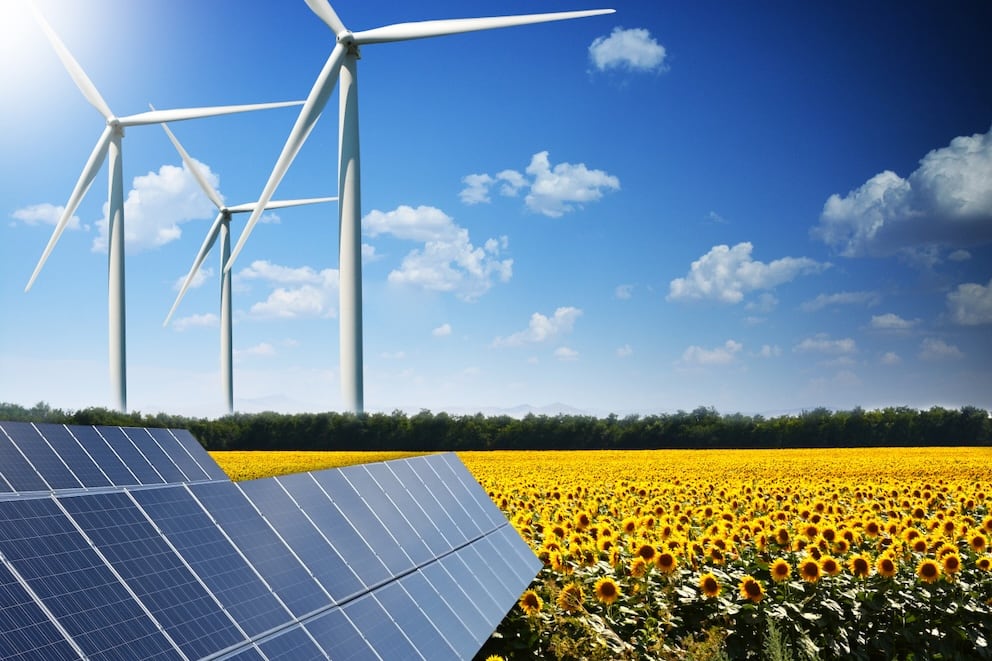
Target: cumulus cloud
542, 328
196, 321
45, 214
971, 304
551, 190
867, 298
299, 292
890, 321
947, 200
723, 355
157, 204
201, 276
566, 354
634, 50
443, 330
935, 349
725, 274
769, 351
448, 261
821, 343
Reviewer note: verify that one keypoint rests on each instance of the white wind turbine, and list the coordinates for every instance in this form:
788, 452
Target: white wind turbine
342, 63
222, 227
110, 142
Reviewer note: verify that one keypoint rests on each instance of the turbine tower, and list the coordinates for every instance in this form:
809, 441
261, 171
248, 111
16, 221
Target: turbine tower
222, 227
109, 143
342, 63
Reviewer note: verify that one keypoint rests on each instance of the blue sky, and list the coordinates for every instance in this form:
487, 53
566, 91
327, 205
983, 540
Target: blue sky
759, 207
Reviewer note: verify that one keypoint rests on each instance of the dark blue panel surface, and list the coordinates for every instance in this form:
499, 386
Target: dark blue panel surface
261, 546
336, 528
15, 468
473, 497
104, 456
247, 654
478, 591
424, 497
423, 467
179, 455
200, 455
130, 455
154, 572
154, 454
75, 585
293, 645
320, 558
41, 456
213, 558
368, 526
375, 624
73, 454
452, 627
339, 638
386, 510
489, 575
414, 623
471, 615
410, 508
517, 553
26, 633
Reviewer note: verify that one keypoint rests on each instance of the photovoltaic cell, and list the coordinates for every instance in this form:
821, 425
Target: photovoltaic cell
339, 638
292, 645
425, 499
459, 600
130, 455
202, 458
26, 632
104, 456
456, 632
426, 530
422, 468
179, 455
42, 457
72, 453
160, 461
412, 621
379, 629
17, 472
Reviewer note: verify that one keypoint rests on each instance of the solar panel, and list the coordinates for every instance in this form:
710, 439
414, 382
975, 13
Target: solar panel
129, 543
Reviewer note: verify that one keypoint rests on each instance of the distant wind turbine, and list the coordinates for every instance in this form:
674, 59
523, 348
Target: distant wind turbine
222, 227
343, 62
110, 142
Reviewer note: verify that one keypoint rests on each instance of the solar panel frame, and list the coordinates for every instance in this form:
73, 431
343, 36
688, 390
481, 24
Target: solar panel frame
339, 637
294, 644
179, 454
27, 633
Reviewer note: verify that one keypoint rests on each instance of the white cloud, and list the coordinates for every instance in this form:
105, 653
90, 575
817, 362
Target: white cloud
566, 354
821, 343
633, 49
262, 350
890, 358
725, 274
624, 351
868, 298
959, 256
448, 261
199, 278
542, 328
624, 292
369, 254
946, 201
935, 349
476, 188
45, 214
714, 217
769, 351
890, 321
195, 321
766, 303
971, 304
157, 204
443, 330
696, 355
300, 292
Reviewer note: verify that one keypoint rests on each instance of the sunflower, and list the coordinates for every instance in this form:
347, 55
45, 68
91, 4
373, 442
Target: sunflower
984, 563
919, 545
629, 526
780, 570
638, 567
928, 570
607, 590
859, 565
667, 563
885, 566
951, 563
570, 598
871, 528
946, 548
582, 520
829, 565
809, 569
495, 657
530, 603
646, 551
709, 585
977, 542
716, 555
751, 589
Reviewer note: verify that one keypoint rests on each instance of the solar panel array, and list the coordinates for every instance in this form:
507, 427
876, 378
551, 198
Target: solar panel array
126, 543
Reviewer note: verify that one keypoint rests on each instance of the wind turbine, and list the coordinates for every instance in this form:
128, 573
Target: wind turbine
110, 143
342, 63
222, 227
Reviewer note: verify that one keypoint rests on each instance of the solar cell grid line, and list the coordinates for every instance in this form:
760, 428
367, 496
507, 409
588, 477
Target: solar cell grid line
335, 528
103, 455
414, 623
247, 654
478, 503
199, 454
480, 593
41, 456
76, 586
155, 455
179, 455
386, 510
444, 496
294, 644
158, 577
75, 456
385, 636
339, 638
308, 544
518, 552
458, 600
454, 629
368, 525
27, 631
404, 472
214, 558
131, 455
497, 558
17, 471
488, 574
409, 508
267, 553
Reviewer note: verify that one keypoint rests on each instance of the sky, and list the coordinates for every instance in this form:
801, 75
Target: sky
759, 207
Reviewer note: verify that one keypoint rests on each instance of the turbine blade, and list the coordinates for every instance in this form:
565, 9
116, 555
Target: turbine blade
280, 204
423, 29
180, 114
309, 114
200, 179
208, 243
82, 185
76, 72
327, 14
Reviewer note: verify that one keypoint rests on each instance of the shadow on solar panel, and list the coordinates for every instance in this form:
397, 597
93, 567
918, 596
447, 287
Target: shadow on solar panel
128, 543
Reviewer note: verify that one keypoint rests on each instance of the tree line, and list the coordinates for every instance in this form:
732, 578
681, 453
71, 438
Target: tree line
702, 428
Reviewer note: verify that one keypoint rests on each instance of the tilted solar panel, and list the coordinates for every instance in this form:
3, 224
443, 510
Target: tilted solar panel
127, 543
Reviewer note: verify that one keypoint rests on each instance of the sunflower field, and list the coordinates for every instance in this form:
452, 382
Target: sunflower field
716, 554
